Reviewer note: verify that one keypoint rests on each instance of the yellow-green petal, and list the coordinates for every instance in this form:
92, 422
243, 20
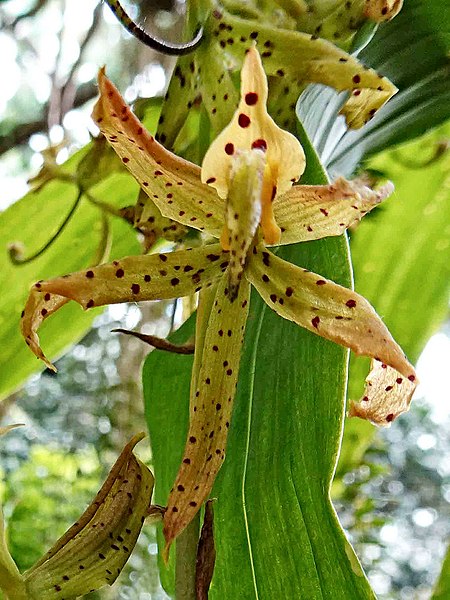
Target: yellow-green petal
213, 388
324, 308
309, 212
131, 279
94, 550
171, 182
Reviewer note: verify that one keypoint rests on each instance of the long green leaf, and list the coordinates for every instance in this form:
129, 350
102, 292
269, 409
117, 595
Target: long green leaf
32, 220
277, 535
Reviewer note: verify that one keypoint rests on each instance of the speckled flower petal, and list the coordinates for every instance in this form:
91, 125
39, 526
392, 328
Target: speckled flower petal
178, 100
310, 212
131, 279
252, 127
386, 396
325, 308
212, 392
94, 550
171, 182
300, 58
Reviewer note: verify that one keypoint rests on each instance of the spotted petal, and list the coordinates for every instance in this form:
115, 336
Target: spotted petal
171, 182
132, 279
310, 212
252, 127
325, 308
94, 550
386, 395
218, 351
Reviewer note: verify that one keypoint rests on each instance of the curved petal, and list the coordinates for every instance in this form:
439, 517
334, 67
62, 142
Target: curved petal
310, 212
252, 127
172, 183
386, 395
213, 388
131, 279
325, 308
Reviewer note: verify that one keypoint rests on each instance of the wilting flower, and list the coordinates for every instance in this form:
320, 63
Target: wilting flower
252, 164
94, 550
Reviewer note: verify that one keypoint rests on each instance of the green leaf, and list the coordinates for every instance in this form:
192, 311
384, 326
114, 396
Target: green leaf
401, 246
274, 522
412, 51
442, 589
32, 220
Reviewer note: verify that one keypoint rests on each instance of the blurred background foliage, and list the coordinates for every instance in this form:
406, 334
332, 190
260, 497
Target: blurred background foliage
392, 489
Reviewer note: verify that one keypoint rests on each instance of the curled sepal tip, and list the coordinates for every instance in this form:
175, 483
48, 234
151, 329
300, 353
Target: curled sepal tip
382, 10
94, 550
387, 395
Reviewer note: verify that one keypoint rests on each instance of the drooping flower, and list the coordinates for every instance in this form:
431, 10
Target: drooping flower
252, 165
94, 550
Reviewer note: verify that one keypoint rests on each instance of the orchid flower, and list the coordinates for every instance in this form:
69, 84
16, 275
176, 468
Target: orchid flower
292, 59
94, 550
248, 201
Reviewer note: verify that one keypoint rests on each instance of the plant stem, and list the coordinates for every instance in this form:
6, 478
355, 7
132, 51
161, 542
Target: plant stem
186, 557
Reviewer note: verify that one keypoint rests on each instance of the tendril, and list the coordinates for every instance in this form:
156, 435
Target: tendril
16, 249
149, 40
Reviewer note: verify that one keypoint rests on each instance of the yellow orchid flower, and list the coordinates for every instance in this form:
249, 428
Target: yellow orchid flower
254, 187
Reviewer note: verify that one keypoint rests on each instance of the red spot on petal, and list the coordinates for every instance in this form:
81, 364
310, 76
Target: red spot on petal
351, 303
356, 79
390, 417
260, 144
125, 159
251, 98
412, 377
315, 322
243, 120
229, 148
399, 380
210, 180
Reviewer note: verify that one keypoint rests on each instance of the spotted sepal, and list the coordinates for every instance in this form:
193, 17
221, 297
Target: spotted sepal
382, 10
337, 23
219, 94
94, 550
178, 101
324, 308
171, 182
243, 212
216, 366
310, 212
147, 218
386, 395
253, 128
300, 58
131, 279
